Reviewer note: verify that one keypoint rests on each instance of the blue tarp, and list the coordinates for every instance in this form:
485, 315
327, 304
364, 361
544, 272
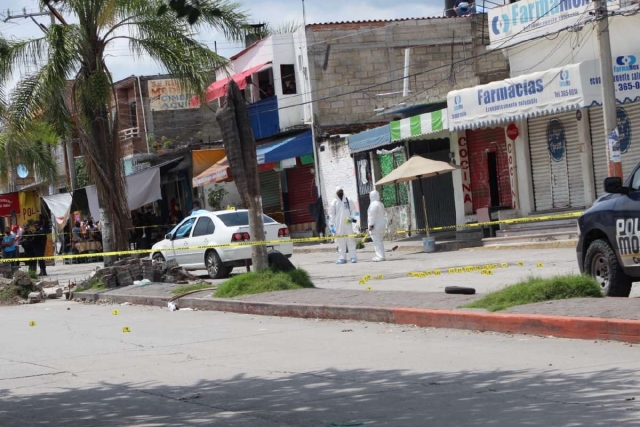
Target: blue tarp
288, 148
370, 139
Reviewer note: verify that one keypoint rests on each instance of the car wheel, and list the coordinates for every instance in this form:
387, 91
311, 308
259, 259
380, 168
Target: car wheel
602, 264
214, 266
158, 258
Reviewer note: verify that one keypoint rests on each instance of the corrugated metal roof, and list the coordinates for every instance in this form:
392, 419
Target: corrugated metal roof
381, 21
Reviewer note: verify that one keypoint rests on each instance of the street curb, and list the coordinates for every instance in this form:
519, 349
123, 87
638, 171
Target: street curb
585, 328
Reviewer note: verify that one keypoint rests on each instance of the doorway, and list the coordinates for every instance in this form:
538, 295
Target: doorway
494, 188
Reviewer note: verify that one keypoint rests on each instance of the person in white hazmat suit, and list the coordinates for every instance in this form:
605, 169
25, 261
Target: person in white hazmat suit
342, 216
375, 217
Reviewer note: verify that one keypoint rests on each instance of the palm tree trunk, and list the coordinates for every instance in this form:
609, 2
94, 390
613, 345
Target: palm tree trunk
105, 167
240, 147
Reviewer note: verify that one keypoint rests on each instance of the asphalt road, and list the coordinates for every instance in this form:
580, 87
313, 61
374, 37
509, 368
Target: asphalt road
76, 367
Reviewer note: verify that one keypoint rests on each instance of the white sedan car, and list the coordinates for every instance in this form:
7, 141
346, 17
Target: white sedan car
217, 228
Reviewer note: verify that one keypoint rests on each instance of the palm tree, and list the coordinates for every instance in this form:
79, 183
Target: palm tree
77, 52
30, 146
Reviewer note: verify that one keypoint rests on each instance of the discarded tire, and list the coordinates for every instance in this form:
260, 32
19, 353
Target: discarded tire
459, 290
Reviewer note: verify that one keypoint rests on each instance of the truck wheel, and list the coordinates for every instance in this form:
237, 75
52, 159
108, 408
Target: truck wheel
214, 266
602, 264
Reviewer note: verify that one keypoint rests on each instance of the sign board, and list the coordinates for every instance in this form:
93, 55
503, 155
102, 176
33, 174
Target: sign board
614, 146
513, 179
512, 131
541, 93
531, 19
463, 154
8, 204
167, 94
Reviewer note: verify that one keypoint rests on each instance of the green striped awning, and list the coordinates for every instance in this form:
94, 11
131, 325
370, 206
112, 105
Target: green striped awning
419, 125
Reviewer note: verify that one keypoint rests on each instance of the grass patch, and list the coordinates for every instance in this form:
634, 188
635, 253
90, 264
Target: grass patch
536, 289
11, 293
266, 281
188, 288
94, 284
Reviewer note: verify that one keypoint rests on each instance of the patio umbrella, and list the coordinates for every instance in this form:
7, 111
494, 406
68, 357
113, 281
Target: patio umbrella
418, 167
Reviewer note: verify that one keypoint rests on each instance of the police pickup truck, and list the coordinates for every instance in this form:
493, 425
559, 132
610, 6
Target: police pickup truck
609, 244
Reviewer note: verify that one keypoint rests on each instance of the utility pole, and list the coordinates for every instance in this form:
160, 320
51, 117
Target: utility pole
609, 102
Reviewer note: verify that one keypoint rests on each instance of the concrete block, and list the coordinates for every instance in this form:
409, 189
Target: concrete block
34, 297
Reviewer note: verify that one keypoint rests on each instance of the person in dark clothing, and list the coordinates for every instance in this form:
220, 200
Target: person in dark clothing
28, 246
39, 246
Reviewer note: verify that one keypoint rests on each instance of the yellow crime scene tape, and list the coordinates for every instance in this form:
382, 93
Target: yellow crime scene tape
485, 269
290, 241
184, 248
569, 215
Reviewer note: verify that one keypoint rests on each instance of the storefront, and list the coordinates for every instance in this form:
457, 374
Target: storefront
489, 168
628, 127
524, 144
556, 163
427, 135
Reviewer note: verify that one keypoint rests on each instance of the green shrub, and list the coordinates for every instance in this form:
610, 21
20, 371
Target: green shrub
263, 282
536, 289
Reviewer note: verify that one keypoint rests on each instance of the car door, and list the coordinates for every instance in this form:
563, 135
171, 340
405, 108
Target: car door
202, 236
627, 223
181, 241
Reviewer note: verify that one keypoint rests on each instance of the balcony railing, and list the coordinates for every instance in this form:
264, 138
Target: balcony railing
129, 133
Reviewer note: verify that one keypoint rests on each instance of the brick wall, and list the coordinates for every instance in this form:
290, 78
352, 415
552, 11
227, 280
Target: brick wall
337, 168
193, 125
341, 62
480, 143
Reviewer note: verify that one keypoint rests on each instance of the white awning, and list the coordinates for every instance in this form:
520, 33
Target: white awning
60, 207
548, 92
142, 188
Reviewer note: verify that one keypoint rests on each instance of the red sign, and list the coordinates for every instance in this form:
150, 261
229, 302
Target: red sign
8, 204
512, 131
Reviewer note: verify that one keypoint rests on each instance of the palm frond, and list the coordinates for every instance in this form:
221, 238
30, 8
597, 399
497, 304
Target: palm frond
36, 93
21, 56
181, 56
30, 145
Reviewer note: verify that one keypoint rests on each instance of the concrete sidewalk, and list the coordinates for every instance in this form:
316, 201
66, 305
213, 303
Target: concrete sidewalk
605, 319
445, 246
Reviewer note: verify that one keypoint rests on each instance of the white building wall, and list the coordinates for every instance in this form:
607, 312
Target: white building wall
570, 47
337, 168
278, 49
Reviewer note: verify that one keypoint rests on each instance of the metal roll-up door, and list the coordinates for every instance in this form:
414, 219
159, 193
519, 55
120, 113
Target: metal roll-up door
629, 122
270, 191
302, 193
556, 165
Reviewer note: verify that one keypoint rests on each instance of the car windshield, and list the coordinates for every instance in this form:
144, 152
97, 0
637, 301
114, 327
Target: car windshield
240, 218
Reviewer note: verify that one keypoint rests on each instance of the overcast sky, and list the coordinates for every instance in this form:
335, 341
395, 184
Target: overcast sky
122, 64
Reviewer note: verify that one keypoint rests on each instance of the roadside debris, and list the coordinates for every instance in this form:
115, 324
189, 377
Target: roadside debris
459, 290
136, 271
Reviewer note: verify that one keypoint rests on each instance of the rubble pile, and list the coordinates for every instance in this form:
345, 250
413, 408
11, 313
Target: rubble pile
21, 289
129, 270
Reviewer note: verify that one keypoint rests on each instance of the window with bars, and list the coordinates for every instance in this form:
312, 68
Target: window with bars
394, 194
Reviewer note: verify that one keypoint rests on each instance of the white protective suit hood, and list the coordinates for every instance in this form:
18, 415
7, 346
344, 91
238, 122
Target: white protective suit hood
374, 196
